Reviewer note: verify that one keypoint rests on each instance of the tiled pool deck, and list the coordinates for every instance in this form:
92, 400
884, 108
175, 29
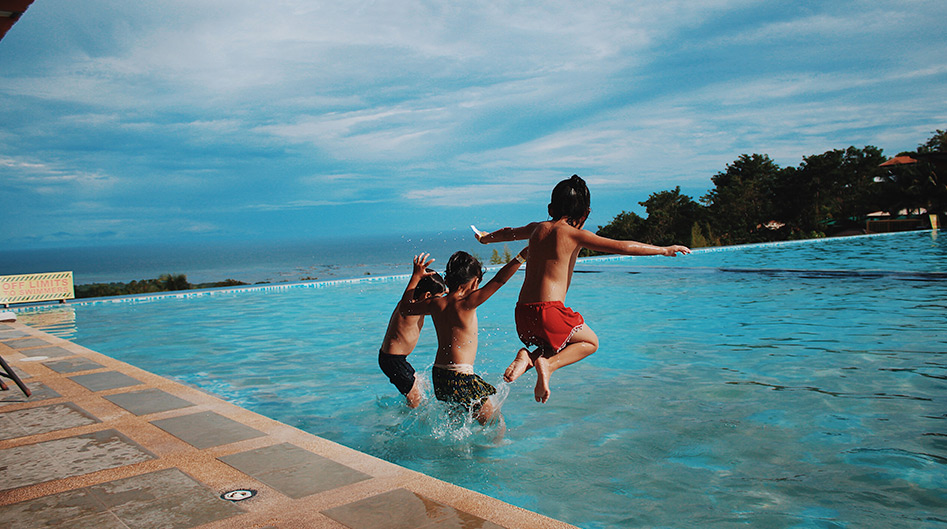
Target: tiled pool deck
102, 444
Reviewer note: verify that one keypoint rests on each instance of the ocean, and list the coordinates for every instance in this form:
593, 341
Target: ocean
249, 261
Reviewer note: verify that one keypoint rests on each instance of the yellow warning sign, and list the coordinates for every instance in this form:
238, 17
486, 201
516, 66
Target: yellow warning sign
30, 288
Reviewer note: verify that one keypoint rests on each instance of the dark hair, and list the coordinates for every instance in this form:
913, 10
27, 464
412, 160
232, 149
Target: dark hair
570, 199
462, 267
432, 283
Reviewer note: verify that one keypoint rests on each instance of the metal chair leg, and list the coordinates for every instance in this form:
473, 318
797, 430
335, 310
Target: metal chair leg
12, 376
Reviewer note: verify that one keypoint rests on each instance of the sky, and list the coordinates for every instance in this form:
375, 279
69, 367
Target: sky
212, 120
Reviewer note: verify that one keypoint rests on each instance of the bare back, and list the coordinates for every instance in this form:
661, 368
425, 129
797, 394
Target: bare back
456, 327
553, 249
403, 333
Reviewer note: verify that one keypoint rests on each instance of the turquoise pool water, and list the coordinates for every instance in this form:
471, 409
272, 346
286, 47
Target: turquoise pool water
783, 386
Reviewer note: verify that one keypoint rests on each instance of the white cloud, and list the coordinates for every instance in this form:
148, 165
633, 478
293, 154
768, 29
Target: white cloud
462, 104
306, 204
47, 178
476, 194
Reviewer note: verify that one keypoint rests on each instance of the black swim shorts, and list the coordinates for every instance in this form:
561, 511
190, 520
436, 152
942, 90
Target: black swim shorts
399, 371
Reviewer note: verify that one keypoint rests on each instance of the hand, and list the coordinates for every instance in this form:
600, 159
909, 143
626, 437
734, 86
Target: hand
672, 251
479, 234
421, 263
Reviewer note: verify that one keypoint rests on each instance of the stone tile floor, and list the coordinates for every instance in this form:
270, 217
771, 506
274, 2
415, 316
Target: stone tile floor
102, 444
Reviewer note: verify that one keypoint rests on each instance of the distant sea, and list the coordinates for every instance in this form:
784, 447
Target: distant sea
248, 261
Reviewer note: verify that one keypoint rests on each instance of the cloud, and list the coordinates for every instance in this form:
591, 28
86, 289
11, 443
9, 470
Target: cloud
476, 195
306, 204
44, 178
313, 105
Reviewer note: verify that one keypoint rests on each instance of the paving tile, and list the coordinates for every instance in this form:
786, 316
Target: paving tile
102, 520
148, 401
105, 380
50, 511
145, 488
294, 471
43, 419
53, 351
72, 456
403, 509
39, 392
11, 333
167, 499
207, 429
73, 365
23, 343
19, 372
177, 512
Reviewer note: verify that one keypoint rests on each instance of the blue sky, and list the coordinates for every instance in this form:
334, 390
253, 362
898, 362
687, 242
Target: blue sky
131, 122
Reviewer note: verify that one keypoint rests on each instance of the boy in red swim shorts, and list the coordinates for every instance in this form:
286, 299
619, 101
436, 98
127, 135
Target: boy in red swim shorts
560, 335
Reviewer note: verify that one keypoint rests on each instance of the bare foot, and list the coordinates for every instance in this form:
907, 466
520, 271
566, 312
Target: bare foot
520, 364
542, 379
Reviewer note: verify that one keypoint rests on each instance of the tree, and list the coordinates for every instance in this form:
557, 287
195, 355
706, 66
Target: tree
174, 282
741, 201
626, 226
837, 187
497, 258
671, 217
913, 186
933, 158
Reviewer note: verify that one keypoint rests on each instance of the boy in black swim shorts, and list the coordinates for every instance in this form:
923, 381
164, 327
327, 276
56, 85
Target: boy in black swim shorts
404, 330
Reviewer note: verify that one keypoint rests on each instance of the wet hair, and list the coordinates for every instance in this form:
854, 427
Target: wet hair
570, 199
432, 283
462, 267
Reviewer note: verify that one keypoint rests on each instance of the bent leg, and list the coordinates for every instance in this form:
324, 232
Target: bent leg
583, 343
520, 365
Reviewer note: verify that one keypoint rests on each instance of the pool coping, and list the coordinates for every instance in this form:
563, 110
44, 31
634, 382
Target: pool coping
160, 431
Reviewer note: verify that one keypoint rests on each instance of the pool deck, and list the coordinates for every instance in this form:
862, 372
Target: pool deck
102, 444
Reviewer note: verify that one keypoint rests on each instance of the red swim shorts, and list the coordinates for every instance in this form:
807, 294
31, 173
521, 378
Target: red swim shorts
547, 323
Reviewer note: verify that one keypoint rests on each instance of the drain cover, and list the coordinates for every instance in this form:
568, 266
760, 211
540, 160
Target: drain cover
238, 495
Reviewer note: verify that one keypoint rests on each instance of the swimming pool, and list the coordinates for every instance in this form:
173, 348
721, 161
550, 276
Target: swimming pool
792, 385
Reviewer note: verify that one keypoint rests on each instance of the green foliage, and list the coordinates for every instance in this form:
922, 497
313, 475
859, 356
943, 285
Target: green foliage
671, 217
165, 283
144, 286
755, 200
742, 200
497, 258
626, 226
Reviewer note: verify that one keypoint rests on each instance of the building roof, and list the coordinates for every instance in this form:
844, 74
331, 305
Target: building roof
10, 12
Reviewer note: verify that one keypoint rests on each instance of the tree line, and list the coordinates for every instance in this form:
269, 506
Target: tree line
755, 200
164, 283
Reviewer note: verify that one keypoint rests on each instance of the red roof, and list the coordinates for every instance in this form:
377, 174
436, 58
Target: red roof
899, 160
10, 12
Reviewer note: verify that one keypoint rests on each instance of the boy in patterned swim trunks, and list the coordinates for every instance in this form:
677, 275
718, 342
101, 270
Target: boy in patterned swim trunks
405, 330
559, 334
455, 320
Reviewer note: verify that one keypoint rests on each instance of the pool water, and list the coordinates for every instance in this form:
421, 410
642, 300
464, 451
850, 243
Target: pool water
783, 386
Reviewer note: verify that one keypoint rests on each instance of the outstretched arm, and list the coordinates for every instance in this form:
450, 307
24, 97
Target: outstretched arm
505, 234
589, 240
419, 272
483, 293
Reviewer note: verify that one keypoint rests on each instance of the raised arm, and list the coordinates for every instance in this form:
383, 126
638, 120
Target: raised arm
505, 234
589, 240
483, 293
418, 272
